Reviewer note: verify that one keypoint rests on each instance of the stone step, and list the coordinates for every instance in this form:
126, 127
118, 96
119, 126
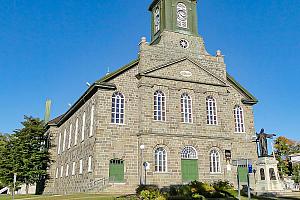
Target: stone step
289, 194
120, 189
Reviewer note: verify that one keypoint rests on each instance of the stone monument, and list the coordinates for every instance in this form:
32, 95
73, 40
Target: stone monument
267, 177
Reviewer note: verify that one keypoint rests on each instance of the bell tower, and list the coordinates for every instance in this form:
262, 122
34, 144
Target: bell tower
178, 16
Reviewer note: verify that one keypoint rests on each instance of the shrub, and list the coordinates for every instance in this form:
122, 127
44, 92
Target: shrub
151, 195
222, 186
198, 196
204, 189
176, 190
146, 187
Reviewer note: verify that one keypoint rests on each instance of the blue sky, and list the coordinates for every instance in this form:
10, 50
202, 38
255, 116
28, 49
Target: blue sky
51, 48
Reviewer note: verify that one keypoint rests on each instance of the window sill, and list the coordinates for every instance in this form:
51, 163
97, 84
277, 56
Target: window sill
161, 121
187, 123
212, 124
161, 172
117, 124
240, 132
215, 173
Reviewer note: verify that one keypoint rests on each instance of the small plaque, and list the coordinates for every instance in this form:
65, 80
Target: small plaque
186, 73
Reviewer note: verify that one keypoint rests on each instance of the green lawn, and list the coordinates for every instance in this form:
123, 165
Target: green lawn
59, 197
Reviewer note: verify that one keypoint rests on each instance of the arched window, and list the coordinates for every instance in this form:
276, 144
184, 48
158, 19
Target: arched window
182, 16
160, 160
159, 106
189, 152
239, 119
117, 108
186, 108
262, 174
215, 161
211, 109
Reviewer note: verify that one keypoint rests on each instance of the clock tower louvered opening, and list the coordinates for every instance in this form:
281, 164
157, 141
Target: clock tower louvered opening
174, 15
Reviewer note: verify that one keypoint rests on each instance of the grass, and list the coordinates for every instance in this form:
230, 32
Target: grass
60, 197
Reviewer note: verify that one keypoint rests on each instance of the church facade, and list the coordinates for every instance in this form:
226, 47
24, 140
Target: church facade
169, 117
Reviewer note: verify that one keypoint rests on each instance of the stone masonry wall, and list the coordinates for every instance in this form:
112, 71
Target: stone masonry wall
122, 141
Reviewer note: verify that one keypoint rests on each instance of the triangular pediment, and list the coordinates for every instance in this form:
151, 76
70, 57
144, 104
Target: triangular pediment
185, 69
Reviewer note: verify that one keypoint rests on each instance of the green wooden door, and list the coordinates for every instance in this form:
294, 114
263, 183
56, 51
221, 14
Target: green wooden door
243, 171
189, 170
116, 171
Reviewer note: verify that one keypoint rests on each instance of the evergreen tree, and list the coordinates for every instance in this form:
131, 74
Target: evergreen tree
7, 161
4, 173
31, 157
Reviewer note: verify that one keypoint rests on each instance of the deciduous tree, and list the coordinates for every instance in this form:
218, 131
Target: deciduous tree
283, 147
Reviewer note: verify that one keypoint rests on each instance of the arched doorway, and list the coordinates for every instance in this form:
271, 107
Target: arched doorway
189, 164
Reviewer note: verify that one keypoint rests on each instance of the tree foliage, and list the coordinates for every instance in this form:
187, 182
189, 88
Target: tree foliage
283, 147
25, 154
6, 165
296, 173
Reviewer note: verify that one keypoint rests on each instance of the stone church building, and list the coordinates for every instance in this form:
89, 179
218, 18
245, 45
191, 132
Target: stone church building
174, 109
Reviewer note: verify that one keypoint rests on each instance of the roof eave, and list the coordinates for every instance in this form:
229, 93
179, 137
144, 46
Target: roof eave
86, 96
118, 71
251, 100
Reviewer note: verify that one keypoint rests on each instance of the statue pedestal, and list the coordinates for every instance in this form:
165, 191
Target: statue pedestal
267, 177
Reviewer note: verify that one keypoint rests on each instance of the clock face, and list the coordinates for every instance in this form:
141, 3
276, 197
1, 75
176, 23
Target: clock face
181, 15
157, 19
184, 43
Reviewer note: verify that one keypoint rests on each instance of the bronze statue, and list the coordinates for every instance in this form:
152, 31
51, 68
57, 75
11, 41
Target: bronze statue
262, 139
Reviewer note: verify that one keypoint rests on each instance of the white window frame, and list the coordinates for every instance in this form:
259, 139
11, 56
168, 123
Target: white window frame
118, 112
64, 140
186, 108
211, 111
161, 165
70, 136
92, 120
73, 168
215, 161
76, 131
189, 152
239, 119
56, 172
90, 164
67, 170
80, 166
61, 171
83, 126
59, 144
159, 106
